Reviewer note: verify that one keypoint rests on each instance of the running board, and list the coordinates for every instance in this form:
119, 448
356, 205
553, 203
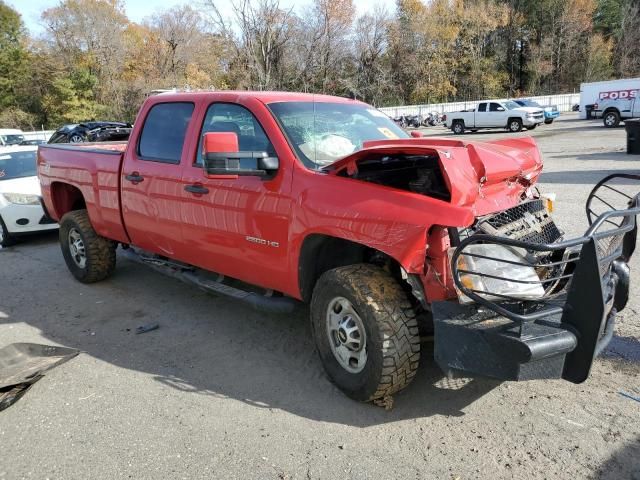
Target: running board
190, 274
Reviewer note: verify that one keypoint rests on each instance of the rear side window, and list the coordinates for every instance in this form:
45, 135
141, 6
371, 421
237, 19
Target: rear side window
163, 133
482, 107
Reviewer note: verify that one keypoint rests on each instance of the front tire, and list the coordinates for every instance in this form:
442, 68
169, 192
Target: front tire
532, 127
611, 119
89, 257
548, 121
6, 239
366, 331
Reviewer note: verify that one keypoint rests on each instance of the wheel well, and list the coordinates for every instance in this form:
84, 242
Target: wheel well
66, 198
321, 253
514, 118
611, 109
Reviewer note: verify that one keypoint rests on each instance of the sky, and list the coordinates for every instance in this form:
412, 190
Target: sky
138, 9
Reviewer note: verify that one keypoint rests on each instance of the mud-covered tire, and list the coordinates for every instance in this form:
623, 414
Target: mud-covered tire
6, 239
390, 325
99, 252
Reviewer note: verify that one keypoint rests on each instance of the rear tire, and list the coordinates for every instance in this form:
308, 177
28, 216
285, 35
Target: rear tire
89, 257
515, 125
365, 331
6, 239
458, 127
611, 119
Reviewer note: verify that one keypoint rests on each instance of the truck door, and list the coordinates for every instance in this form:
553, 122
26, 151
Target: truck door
237, 226
497, 115
151, 175
481, 116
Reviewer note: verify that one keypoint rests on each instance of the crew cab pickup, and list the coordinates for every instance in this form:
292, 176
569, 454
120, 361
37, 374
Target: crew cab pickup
615, 111
495, 114
276, 199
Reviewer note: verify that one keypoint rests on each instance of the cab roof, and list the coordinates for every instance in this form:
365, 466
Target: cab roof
264, 97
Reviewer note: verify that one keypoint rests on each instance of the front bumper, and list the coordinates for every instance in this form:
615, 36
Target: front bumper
554, 336
531, 121
23, 219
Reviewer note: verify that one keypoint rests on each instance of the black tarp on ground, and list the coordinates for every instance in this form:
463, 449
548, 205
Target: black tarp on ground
23, 364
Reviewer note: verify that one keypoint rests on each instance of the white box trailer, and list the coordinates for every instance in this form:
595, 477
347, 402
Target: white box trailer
591, 93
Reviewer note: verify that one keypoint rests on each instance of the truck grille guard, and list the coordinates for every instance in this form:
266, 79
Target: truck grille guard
585, 282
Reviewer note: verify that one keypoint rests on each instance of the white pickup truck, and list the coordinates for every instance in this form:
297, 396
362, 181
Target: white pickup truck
615, 111
495, 114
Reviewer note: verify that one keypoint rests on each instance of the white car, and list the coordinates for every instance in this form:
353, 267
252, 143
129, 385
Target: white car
495, 114
21, 209
11, 136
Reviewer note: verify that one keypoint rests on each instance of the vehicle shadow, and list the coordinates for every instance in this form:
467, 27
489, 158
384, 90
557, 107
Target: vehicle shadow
208, 345
625, 463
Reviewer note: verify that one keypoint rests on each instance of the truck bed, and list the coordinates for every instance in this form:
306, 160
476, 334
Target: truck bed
94, 170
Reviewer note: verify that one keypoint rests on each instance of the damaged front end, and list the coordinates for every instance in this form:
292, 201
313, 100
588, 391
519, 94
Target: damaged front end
533, 304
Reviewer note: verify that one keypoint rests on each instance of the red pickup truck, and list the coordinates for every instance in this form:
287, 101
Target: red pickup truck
281, 198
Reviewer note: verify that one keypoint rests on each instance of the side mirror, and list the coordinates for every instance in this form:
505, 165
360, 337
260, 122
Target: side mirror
222, 158
500, 109
416, 134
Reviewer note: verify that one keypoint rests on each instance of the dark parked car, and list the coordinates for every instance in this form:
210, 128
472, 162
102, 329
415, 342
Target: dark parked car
91, 132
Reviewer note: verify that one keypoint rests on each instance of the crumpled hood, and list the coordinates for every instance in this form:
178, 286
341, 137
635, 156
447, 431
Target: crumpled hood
484, 176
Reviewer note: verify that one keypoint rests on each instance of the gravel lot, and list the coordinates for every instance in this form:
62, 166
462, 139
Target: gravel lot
220, 391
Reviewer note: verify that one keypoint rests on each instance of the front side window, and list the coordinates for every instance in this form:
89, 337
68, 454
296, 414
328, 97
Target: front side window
321, 133
230, 117
495, 107
163, 133
17, 165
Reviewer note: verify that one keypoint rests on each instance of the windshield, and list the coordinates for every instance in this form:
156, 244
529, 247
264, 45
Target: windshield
12, 139
531, 103
321, 133
510, 105
17, 165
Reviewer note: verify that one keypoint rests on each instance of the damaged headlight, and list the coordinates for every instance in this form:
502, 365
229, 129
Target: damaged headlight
21, 199
495, 272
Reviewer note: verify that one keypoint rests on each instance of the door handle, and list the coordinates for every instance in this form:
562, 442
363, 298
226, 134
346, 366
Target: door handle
134, 178
197, 189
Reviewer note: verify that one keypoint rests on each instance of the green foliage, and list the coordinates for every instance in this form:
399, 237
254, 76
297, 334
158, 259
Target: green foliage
12, 55
69, 101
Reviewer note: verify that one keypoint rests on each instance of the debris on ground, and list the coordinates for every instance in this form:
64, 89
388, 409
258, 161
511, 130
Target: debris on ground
147, 327
23, 364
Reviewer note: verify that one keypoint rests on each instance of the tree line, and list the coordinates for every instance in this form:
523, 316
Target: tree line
92, 62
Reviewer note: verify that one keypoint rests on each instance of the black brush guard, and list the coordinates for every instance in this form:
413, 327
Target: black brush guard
558, 335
